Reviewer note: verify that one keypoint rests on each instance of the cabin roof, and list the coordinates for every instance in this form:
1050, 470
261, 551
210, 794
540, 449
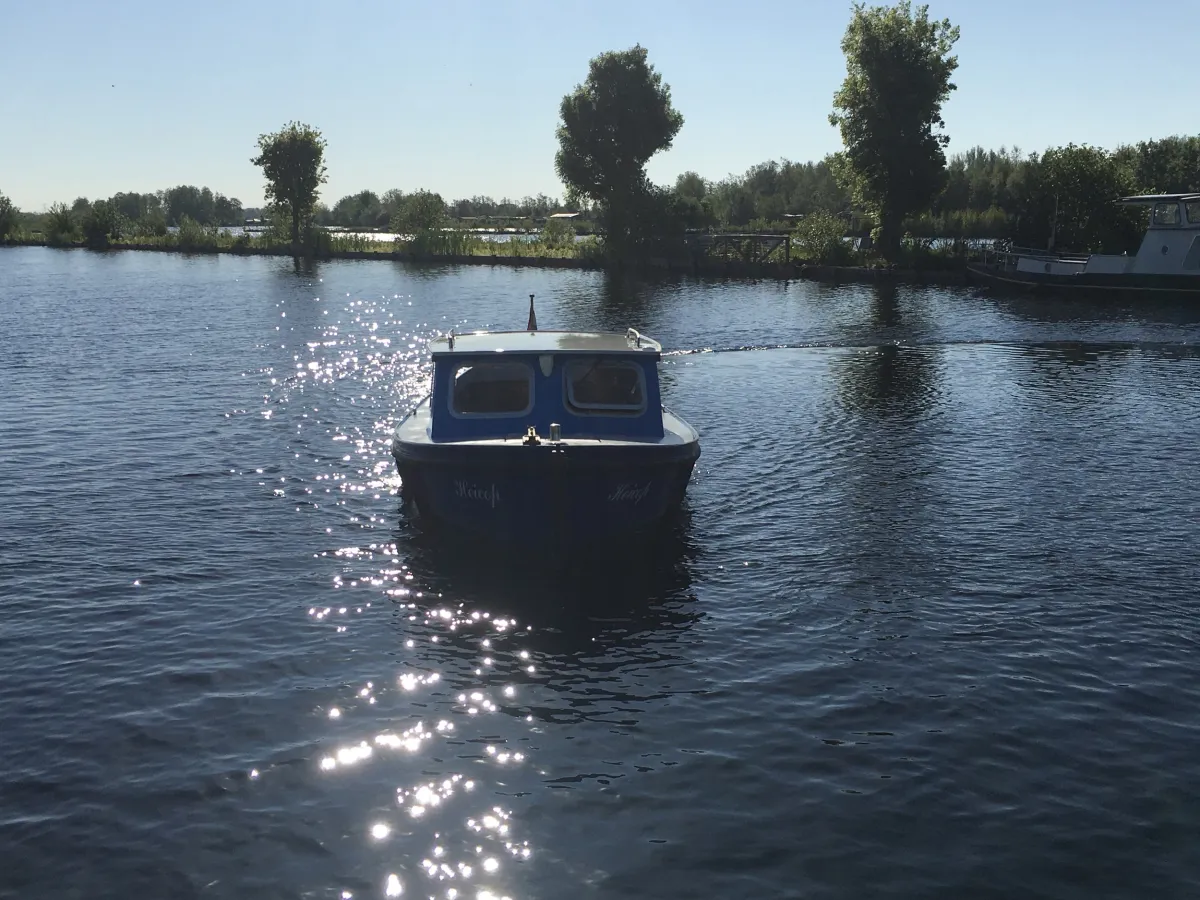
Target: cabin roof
544, 342
1159, 198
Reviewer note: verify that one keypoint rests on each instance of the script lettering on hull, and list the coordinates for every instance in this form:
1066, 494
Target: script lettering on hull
630, 493
465, 490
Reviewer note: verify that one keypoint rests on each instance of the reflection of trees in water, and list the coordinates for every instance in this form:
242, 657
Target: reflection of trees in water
1099, 306
622, 300
1076, 372
883, 454
885, 307
889, 381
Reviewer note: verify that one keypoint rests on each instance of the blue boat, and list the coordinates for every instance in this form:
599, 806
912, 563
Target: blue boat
544, 435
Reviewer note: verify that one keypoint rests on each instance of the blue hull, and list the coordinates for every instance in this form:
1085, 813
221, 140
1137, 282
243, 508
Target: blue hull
546, 493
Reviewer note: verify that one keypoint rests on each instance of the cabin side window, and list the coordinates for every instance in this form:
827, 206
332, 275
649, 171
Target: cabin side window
597, 386
492, 388
1166, 214
1193, 212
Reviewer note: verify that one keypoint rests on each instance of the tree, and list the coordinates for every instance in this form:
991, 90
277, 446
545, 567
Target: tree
389, 205
1069, 202
888, 109
102, 223
611, 125
361, 210
418, 212
60, 224
227, 210
292, 161
690, 184
8, 217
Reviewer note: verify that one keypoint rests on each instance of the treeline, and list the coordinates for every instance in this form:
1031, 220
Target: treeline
366, 209
892, 179
987, 193
129, 214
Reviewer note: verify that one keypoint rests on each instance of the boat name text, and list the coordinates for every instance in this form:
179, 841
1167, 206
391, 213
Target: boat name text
629, 492
465, 490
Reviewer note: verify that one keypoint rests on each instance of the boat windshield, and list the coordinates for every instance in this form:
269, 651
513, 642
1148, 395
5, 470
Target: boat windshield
1193, 212
1166, 214
492, 389
605, 385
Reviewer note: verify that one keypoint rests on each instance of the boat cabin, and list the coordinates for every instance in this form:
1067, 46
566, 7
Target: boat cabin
1171, 245
489, 385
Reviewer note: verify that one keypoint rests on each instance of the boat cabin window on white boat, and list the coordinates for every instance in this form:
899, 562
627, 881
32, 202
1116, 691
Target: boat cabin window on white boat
1166, 214
488, 388
598, 386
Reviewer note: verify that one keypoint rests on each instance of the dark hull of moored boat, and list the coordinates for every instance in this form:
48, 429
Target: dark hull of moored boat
545, 493
1128, 284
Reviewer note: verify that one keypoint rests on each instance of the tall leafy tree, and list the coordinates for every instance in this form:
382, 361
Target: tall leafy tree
8, 217
611, 125
421, 211
61, 224
1069, 202
888, 109
102, 224
293, 163
227, 210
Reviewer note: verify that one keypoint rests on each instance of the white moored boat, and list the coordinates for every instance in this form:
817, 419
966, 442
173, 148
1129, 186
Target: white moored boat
1167, 261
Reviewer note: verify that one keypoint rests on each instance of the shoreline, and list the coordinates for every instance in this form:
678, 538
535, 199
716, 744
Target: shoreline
793, 271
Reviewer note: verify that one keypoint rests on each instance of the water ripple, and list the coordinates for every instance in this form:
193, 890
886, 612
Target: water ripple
926, 626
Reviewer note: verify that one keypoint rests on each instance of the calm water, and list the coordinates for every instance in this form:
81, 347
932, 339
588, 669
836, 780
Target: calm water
931, 628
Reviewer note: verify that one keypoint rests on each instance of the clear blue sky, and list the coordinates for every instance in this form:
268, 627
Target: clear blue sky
462, 97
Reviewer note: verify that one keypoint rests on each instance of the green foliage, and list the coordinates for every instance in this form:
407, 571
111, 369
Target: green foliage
961, 224
558, 234
982, 179
611, 125
1170, 165
194, 236
690, 184
1074, 186
292, 161
60, 225
102, 224
197, 203
920, 254
9, 216
419, 212
819, 237
361, 210
430, 242
888, 109
693, 214
153, 224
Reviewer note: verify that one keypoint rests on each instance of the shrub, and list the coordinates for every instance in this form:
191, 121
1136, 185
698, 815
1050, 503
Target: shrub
820, 237
558, 234
8, 217
60, 226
